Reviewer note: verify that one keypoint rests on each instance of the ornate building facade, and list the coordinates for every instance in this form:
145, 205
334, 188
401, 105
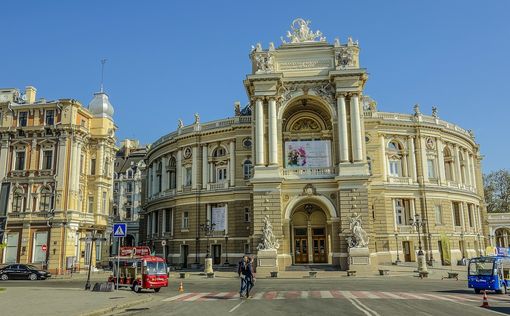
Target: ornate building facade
310, 151
127, 189
56, 167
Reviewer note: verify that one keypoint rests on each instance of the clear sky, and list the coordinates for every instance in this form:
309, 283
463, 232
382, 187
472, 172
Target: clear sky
170, 59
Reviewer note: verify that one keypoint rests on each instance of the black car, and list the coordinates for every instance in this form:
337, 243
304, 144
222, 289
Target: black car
23, 272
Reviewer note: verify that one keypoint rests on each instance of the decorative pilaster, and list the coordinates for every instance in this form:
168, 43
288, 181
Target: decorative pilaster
342, 129
458, 176
273, 144
471, 157
424, 164
412, 158
440, 159
178, 169
205, 169
384, 160
232, 164
164, 179
194, 168
357, 150
259, 125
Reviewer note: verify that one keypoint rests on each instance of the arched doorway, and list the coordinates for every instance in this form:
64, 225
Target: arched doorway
309, 234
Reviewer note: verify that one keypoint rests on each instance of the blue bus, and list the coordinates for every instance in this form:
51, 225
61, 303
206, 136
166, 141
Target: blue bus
489, 273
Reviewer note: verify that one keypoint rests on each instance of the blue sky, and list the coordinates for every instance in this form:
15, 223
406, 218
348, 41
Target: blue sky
170, 59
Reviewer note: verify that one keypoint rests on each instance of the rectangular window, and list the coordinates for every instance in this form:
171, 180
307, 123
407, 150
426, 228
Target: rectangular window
439, 214
20, 160
23, 118
221, 174
431, 169
11, 251
40, 238
129, 187
92, 166
168, 220
402, 211
99, 245
456, 214
394, 168
47, 159
91, 204
185, 220
104, 203
128, 213
187, 178
470, 215
50, 117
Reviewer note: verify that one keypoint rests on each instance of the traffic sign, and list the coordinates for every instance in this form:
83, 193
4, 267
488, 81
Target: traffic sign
163, 243
44, 248
120, 230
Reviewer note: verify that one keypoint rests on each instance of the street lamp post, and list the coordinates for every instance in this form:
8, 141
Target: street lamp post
208, 229
396, 242
226, 250
419, 223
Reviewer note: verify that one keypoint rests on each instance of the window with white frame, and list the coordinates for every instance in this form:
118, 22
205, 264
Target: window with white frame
219, 152
431, 169
47, 160
185, 220
45, 200
402, 211
394, 167
395, 152
247, 169
247, 215
221, 174
50, 117
188, 177
439, 214
18, 199
40, 239
22, 119
456, 214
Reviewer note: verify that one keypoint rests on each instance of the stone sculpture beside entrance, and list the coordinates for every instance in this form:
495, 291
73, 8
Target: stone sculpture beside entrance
267, 257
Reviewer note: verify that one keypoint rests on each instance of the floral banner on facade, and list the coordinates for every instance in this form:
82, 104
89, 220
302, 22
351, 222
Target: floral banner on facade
307, 154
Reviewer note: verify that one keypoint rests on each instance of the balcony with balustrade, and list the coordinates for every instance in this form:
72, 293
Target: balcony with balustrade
309, 173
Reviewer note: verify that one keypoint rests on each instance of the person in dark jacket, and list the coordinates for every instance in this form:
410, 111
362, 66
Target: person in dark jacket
250, 277
241, 271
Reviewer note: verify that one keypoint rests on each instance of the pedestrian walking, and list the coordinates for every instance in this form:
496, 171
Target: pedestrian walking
250, 277
241, 271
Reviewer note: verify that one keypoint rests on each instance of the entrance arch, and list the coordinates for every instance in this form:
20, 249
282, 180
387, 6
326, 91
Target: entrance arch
309, 234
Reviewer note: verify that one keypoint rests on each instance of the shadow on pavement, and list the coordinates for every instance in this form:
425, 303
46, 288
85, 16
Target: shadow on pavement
459, 291
504, 310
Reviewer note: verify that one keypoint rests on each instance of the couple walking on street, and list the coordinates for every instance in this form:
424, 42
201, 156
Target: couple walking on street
246, 273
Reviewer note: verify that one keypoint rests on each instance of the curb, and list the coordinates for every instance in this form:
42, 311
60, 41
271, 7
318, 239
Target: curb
111, 309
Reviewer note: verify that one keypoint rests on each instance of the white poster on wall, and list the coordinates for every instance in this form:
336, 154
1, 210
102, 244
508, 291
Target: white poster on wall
218, 218
308, 154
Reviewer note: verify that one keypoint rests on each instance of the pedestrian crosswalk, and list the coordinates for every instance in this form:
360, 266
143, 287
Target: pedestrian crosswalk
333, 294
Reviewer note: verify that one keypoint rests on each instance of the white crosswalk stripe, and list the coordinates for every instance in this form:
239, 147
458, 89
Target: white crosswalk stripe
334, 294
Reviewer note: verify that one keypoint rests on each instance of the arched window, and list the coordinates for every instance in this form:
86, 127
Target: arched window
247, 169
219, 152
172, 173
45, 202
159, 175
17, 200
395, 159
130, 173
448, 164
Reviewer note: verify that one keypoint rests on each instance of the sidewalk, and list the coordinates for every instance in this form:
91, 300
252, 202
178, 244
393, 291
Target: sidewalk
60, 301
100, 275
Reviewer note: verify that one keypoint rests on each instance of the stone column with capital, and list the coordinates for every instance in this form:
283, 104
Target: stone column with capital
357, 149
472, 160
412, 158
440, 161
205, 169
194, 168
384, 159
232, 163
342, 129
259, 133
458, 176
178, 169
273, 143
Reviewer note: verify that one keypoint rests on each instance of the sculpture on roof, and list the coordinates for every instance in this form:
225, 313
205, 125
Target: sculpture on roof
300, 32
180, 124
434, 112
197, 118
264, 62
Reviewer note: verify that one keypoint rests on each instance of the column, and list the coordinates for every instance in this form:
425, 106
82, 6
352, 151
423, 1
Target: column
273, 144
4, 151
413, 208
232, 164
458, 177
405, 170
357, 152
164, 177
423, 154
462, 217
194, 168
148, 181
473, 171
467, 167
259, 126
154, 177
440, 161
205, 170
342, 129
178, 170
384, 160
412, 158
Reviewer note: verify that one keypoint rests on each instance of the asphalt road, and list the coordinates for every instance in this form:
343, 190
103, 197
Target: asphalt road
346, 296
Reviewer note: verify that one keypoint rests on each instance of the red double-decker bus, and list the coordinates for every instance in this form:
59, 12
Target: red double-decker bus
139, 270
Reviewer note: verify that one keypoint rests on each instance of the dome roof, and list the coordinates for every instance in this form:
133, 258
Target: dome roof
100, 106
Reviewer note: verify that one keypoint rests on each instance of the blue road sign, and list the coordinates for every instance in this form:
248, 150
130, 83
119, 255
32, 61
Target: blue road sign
120, 230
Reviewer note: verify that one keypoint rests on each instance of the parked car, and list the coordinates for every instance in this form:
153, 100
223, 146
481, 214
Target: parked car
23, 272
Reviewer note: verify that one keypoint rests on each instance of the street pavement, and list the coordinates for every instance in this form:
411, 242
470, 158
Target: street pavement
332, 292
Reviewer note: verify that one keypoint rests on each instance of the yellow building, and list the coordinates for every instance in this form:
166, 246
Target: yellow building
56, 167
311, 151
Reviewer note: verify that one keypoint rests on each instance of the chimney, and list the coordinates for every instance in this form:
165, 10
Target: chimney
30, 94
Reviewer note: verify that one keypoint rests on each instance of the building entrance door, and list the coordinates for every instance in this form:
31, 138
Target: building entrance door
319, 250
216, 249
184, 256
301, 250
406, 245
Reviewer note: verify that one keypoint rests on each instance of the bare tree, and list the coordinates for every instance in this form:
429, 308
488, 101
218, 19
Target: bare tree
497, 191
